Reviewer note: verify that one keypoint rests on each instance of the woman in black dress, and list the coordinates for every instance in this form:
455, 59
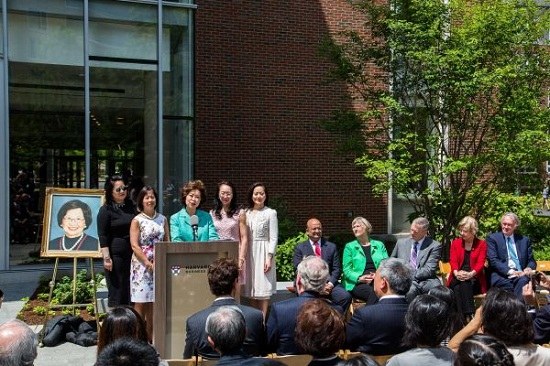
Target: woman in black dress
113, 227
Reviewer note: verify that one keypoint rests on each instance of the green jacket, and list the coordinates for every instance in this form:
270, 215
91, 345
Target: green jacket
354, 261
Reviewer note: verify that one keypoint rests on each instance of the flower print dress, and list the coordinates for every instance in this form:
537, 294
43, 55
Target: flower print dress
151, 231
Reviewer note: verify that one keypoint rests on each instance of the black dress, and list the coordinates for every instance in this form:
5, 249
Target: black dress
464, 290
365, 291
113, 227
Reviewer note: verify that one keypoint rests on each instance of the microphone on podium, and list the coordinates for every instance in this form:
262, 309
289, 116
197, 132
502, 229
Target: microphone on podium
194, 221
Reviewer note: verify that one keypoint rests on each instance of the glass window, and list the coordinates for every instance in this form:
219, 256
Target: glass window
46, 95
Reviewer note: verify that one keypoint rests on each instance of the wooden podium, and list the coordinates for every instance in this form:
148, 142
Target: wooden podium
181, 288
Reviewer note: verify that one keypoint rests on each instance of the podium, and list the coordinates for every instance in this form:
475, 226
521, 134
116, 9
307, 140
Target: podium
181, 288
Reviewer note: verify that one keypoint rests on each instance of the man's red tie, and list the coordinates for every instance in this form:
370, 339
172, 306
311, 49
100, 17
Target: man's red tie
317, 249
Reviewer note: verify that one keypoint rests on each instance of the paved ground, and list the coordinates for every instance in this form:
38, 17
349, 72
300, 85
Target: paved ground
19, 284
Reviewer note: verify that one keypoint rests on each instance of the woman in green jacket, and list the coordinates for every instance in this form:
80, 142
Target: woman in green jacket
360, 261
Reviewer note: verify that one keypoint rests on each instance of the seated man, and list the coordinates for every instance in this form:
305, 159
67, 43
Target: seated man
510, 256
226, 330
377, 329
423, 253
317, 245
311, 278
18, 343
223, 278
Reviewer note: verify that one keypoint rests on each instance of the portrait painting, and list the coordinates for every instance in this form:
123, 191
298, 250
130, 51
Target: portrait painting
69, 227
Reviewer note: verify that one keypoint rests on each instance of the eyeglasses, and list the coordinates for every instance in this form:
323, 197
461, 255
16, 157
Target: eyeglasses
121, 189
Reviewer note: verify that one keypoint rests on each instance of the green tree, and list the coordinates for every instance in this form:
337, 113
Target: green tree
452, 101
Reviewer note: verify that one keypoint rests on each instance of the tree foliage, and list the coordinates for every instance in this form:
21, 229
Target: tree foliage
453, 101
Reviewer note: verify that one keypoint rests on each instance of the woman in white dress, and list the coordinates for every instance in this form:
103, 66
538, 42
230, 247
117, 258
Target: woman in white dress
260, 282
146, 229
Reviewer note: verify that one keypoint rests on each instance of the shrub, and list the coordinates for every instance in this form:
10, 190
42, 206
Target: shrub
63, 291
285, 253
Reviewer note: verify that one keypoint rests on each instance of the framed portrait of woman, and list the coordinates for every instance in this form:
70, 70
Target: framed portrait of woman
69, 226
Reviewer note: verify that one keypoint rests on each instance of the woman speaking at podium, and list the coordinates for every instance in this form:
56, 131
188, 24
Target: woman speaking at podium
190, 223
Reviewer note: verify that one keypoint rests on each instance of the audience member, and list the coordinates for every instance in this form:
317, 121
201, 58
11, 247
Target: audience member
541, 320
456, 319
128, 352
467, 259
483, 350
311, 278
223, 276
505, 317
510, 256
360, 260
193, 194
423, 253
226, 328
362, 360
426, 325
320, 332
319, 246
120, 322
263, 226
18, 344
377, 329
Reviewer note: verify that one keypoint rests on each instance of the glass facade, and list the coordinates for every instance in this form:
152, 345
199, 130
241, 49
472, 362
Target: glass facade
95, 88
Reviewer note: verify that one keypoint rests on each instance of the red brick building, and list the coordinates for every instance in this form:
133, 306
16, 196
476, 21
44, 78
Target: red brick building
261, 92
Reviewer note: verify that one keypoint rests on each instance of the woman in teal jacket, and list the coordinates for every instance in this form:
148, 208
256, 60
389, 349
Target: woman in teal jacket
360, 260
193, 194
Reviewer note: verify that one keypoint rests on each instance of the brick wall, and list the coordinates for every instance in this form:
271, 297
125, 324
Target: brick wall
261, 90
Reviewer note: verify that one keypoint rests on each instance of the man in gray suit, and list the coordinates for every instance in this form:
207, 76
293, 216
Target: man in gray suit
423, 254
223, 276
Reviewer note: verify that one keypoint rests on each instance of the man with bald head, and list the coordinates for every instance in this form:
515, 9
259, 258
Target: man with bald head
17, 344
319, 246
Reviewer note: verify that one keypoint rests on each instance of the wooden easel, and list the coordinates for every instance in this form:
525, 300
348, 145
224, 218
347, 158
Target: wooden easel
74, 305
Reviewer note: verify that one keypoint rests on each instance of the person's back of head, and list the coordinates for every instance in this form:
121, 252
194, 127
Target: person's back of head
506, 318
121, 321
446, 294
483, 350
362, 360
222, 274
226, 329
398, 274
18, 344
128, 352
320, 329
427, 322
312, 274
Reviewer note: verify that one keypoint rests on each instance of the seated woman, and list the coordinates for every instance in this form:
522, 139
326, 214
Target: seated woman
426, 325
121, 321
360, 261
320, 332
467, 259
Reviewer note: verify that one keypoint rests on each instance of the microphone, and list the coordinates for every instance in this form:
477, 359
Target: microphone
194, 221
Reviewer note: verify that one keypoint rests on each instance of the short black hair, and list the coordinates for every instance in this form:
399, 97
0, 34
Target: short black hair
128, 352
426, 322
71, 205
481, 350
141, 195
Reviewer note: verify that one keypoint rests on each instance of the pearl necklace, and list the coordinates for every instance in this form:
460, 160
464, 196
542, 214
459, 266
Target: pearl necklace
77, 243
149, 217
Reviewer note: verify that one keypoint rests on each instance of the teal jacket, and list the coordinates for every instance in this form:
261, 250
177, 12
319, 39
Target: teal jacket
181, 230
354, 261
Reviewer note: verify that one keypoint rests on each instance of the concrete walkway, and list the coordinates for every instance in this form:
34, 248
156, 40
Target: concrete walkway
21, 283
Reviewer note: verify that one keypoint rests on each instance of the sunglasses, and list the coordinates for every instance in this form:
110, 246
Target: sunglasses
121, 189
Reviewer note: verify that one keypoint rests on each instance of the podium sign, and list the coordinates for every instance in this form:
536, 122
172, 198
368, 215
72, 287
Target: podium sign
181, 288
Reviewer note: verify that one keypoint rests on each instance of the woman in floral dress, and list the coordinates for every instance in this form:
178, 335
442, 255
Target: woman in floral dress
147, 229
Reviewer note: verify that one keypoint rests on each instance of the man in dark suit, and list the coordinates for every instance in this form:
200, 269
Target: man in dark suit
223, 275
510, 256
226, 331
317, 245
311, 278
377, 329
423, 254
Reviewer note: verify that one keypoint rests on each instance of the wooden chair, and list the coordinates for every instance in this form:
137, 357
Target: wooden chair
444, 271
292, 360
184, 362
